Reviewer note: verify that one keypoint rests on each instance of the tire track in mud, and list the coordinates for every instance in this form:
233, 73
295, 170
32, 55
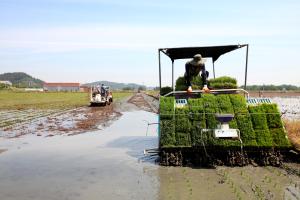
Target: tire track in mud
74, 121
70, 122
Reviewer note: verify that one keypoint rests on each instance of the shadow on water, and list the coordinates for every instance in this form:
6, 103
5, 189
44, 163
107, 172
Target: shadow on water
135, 146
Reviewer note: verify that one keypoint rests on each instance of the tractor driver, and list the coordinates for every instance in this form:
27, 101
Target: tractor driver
192, 69
102, 90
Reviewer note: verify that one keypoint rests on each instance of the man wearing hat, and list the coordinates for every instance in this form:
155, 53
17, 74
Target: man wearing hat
192, 69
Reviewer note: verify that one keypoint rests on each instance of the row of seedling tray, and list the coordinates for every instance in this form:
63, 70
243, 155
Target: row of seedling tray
259, 125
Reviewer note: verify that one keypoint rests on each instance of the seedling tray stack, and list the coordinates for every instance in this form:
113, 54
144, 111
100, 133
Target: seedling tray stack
182, 141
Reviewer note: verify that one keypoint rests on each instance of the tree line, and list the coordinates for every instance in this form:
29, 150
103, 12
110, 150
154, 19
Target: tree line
283, 87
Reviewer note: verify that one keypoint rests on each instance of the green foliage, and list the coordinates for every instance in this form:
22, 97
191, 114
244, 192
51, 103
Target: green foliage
272, 87
183, 139
22, 80
167, 133
273, 115
128, 88
223, 82
4, 86
165, 90
279, 137
167, 107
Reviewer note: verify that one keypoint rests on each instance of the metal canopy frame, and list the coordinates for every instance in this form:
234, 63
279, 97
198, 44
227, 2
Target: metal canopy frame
213, 52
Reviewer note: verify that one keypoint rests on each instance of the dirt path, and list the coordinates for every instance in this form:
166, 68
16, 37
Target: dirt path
145, 102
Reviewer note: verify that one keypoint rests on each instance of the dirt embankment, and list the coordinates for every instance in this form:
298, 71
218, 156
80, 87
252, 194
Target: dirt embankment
274, 93
2, 150
145, 102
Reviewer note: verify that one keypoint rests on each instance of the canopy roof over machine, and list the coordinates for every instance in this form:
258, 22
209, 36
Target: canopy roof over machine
213, 52
188, 52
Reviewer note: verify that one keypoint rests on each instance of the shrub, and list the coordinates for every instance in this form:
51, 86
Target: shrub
167, 133
165, 90
273, 115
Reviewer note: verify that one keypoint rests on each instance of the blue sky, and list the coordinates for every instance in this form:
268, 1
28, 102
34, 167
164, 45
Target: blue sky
89, 40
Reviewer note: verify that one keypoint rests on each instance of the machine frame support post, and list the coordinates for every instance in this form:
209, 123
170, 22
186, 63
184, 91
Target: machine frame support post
246, 67
173, 88
159, 64
214, 69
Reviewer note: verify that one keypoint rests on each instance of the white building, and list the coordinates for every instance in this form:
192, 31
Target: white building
6, 83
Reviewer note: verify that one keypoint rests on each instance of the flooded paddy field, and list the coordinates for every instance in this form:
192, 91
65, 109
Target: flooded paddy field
108, 163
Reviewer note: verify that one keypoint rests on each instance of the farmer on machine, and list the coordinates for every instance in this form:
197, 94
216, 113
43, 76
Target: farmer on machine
192, 69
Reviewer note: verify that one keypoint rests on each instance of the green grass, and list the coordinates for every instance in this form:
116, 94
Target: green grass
121, 95
48, 100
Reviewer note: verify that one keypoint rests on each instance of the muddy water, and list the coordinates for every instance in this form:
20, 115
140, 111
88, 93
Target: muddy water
109, 164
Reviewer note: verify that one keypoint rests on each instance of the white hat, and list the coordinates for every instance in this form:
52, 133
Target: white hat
198, 59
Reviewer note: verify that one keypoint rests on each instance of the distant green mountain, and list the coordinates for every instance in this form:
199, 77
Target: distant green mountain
22, 80
117, 86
